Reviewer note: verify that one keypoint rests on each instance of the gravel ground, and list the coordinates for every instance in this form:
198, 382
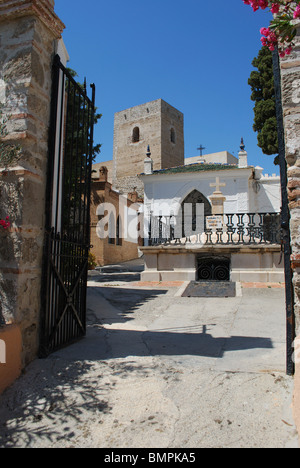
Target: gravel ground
160, 371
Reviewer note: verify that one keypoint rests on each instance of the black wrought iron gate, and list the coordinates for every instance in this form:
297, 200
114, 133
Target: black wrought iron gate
67, 239
285, 221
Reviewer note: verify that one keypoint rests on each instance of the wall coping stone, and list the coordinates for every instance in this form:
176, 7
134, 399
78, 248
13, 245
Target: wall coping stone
19, 171
43, 9
171, 249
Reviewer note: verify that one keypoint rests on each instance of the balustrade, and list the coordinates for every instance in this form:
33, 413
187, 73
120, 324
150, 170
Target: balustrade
228, 229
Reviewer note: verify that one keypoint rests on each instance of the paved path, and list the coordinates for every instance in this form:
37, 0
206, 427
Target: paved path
160, 371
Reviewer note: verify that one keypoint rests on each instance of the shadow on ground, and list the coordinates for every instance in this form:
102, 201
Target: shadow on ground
125, 272
108, 305
111, 333
58, 399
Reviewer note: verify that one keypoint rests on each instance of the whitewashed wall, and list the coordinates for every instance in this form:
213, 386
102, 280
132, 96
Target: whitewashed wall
165, 193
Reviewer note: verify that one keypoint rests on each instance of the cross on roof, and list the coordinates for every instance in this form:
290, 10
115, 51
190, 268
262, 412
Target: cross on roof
201, 148
218, 184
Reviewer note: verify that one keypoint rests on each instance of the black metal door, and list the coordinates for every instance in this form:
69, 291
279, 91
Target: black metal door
213, 269
67, 238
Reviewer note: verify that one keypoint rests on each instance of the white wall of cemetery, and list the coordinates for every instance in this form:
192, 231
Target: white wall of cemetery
164, 193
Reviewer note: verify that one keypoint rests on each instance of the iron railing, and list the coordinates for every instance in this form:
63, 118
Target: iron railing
230, 229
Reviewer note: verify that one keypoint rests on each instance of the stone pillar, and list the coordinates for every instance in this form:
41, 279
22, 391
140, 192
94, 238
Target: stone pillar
29, 31
217, 202
290, 77
217, 199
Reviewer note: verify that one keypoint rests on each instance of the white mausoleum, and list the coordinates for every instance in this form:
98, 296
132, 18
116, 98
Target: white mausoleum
238, 207
246, 188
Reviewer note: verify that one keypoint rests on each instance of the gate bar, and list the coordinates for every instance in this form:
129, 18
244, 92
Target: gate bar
285, 220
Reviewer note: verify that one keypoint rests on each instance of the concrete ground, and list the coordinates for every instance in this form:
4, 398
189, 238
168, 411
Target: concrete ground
160, 371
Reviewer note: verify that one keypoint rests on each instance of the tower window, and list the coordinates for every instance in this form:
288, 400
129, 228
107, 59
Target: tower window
173, 136
136, 135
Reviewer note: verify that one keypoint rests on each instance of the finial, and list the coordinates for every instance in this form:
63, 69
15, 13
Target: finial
242, 145
148, 163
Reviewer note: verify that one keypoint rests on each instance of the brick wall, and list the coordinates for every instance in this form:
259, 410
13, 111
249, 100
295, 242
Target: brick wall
109, 252
28, 32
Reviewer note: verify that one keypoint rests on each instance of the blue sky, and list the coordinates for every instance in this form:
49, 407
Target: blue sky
194, 54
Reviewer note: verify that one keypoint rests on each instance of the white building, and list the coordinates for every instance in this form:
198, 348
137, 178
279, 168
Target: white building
246, 188
236, 206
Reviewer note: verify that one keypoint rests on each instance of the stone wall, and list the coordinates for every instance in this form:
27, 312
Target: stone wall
290, 78
127, 184
28, 35
254, 263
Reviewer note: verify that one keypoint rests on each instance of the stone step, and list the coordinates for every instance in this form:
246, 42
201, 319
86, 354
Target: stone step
210, 289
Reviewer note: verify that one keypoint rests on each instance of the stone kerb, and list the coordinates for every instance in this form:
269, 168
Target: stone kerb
29, 30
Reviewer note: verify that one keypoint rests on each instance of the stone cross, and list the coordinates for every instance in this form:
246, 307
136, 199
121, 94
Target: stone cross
218, 184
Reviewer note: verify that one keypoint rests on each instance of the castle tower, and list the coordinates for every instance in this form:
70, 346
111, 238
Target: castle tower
156, 124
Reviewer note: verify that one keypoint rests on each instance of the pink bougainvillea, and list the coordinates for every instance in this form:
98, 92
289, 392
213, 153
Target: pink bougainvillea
4, 223
297, 12
281, 32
